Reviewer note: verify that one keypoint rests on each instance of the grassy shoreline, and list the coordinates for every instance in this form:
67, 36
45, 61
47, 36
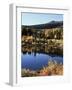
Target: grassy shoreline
52, 69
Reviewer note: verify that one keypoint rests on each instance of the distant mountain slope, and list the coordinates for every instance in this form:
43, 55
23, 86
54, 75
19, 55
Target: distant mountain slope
52, 24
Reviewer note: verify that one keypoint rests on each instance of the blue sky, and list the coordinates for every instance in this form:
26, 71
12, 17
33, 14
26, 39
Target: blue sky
38, 18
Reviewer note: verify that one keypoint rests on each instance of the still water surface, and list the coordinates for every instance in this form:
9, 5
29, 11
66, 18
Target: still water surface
36, 61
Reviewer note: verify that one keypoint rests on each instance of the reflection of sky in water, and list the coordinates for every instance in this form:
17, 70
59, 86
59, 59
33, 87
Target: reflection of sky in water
36, 62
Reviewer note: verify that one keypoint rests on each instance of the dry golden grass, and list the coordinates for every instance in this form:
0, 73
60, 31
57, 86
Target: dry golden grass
53, 68
28, 73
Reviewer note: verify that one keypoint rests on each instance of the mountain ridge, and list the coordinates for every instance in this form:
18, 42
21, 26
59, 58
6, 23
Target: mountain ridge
52, 24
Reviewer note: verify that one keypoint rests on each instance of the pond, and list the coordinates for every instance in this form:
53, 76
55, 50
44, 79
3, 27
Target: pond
36, 61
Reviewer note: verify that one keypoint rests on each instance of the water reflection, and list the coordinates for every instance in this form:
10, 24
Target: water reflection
35, 57
45, 49
36, 61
